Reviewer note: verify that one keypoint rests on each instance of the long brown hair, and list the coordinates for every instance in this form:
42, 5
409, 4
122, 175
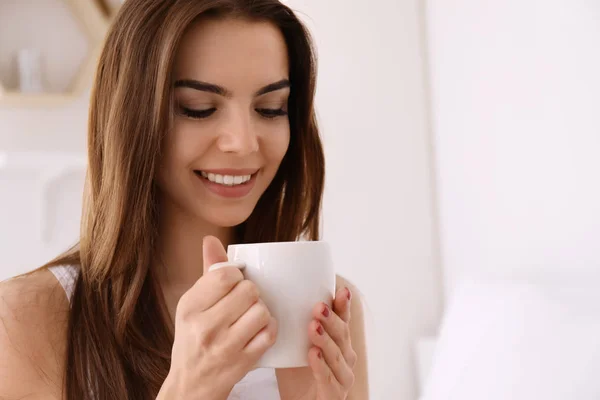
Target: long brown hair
119, 340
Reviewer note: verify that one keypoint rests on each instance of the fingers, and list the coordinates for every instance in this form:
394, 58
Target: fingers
214, 285
212, 252
262, 341
342, 302
231, 307
326, 381
250, 324
332, 354
208, 290
337, 329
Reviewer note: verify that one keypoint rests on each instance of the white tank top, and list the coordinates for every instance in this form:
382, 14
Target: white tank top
259, 384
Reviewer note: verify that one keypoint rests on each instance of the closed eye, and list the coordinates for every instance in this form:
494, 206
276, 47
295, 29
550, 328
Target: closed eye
271, 113
197, 114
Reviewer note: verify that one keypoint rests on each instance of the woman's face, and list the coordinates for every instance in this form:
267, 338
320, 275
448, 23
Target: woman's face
231, 128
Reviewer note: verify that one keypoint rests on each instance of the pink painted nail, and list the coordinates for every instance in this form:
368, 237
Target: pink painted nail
325, 311
349, 294
320, 355
320, 330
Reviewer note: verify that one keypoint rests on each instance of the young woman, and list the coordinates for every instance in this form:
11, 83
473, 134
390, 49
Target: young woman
202, 133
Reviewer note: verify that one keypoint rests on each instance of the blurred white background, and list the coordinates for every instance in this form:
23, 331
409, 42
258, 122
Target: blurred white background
475, 122
516, 110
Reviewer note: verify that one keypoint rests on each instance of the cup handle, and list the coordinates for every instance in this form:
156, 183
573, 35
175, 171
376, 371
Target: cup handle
237, 264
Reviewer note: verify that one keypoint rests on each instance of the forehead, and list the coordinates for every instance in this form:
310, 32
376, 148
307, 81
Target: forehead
232, 52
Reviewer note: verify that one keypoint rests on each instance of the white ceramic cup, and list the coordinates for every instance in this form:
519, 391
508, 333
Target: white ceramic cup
292, 278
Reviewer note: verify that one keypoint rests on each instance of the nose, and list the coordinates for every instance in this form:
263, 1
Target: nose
237, 135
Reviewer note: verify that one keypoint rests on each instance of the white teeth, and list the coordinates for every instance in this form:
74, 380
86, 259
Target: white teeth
227, 180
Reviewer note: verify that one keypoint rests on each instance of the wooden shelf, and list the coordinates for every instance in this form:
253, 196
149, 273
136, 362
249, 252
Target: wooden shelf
94, 24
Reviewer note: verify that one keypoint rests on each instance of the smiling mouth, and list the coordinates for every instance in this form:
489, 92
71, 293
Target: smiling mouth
225, 180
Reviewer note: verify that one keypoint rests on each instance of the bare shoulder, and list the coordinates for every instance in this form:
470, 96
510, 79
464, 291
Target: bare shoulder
34, 314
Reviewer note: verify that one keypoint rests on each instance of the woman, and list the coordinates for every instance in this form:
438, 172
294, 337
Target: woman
202, 128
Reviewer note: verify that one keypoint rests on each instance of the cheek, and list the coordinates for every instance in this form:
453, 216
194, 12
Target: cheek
185, 143
181, 147
276, 146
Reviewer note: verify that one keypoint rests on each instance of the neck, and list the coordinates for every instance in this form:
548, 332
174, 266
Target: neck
179, 257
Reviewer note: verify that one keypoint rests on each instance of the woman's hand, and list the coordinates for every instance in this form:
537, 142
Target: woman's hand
332, 357
221, 329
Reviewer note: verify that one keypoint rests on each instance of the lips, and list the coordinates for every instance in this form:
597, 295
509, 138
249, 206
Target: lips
224, 179
229, 184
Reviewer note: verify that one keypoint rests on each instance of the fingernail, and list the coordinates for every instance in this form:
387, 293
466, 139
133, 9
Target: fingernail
325, 311
320, 355
349, 294
320, 330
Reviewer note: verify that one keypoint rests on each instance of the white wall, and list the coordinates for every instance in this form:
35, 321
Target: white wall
378, 202
53, 129
36, 220
516, 95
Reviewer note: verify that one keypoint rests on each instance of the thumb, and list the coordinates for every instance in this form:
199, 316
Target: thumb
212, 252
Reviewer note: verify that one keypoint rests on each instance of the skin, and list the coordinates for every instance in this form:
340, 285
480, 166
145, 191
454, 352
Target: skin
221, 325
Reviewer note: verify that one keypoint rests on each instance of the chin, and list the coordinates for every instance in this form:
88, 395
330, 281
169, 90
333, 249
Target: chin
226, 218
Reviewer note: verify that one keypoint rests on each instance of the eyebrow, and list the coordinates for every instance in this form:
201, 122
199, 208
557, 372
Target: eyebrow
221, 91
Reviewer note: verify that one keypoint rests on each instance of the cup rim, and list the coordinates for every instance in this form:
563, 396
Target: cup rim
277, 244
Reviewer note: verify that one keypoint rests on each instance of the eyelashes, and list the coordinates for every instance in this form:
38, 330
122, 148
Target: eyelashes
197, 114
268, 113
272, 112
